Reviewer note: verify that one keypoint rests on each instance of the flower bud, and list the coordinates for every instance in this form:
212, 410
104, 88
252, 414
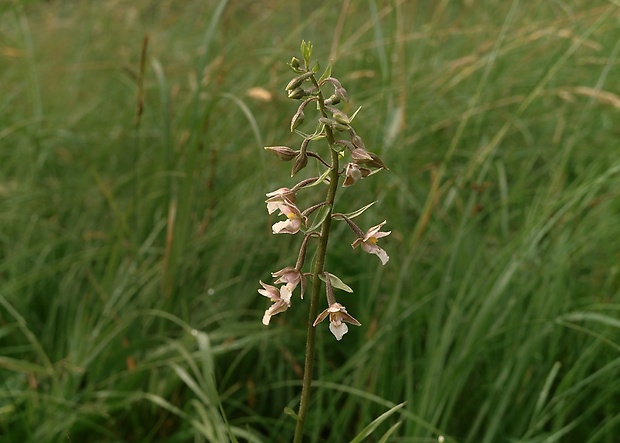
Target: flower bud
357, 141
332, 100
342, 94
301, 160
295, 64
333, 81
297, 81
334, 124
297, 119
376, 162
341, 117
297, 93
282, 152
359, 155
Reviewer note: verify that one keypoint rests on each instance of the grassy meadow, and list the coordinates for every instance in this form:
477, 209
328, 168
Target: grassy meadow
133, 229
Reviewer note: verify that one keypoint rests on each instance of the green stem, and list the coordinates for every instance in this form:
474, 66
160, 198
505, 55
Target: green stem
319, 264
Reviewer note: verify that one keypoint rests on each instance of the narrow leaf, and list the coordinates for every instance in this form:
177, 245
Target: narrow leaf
375, 423
320, 179
320, 218
386, 436
327, 73
359, 212
336, 282
355, 113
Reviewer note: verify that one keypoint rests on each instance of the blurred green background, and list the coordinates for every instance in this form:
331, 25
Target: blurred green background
133, 231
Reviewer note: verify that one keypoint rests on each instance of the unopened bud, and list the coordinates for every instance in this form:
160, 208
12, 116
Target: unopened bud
359, 155
376, 162
342, 94
332, 100
357, 141
282, 152
295, 64
333, 81
301, 160
297, 93
297, 119
297, 81
334, 124
341, 117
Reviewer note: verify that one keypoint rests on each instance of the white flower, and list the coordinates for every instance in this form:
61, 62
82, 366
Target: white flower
279, 304
294, 222
369, 242
338, 317
282, 195
291, 277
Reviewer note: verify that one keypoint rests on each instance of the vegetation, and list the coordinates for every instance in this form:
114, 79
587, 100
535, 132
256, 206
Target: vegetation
133, 229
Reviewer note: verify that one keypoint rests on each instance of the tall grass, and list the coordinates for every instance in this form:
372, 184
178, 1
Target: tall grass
131, 244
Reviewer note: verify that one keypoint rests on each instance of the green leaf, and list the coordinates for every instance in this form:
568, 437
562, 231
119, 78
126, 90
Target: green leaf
359, 212
326, 73
389, 432
320, 218
355, 113
320, 179
375, 423
336, 282
306, 51
289, 411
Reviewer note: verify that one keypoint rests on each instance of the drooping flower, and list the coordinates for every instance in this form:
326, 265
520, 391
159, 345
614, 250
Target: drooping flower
282, 195
280, 304
369, 242
291, 277
295, 219
353, 173
338, 317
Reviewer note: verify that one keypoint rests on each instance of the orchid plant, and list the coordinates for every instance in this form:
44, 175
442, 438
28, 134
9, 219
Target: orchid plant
344, 147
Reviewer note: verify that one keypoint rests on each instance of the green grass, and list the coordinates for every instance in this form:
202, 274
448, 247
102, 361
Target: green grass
131, 245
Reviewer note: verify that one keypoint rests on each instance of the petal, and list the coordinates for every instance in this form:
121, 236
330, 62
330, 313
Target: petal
271, 206
372, 248
280, 191
321, 317
303, 286
276, 308
383, 256
349, 319
287, 275
357, 242
286, 227
372, 231
382, 234
336, 307
338, 331
266, 318
269, 291
286, 292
